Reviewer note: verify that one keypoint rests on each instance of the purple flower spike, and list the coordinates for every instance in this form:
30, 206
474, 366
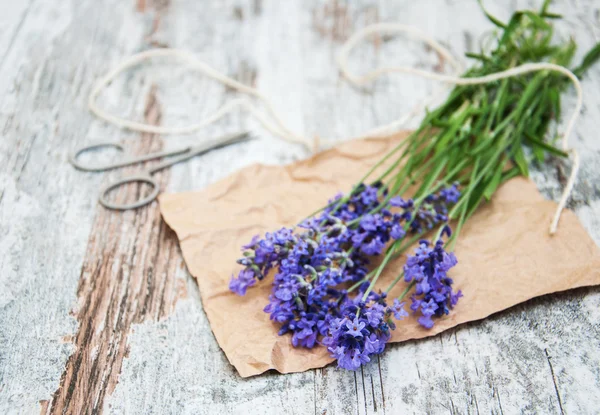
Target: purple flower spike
397, 232
450, 194
244, 280
352, 341
433, 294
369, 195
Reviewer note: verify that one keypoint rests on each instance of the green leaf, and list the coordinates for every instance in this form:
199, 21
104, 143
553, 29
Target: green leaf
552, 15
491, 18
519, 159
538, 153
564, 55
436, 122
590, 58
544, 8
531, 91
546, 14
493, 183
536, 19
554, 98
479, 56
509, 174
483, 144
537, 143
475, 199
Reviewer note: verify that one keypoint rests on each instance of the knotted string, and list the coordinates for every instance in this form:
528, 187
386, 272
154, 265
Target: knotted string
271, 121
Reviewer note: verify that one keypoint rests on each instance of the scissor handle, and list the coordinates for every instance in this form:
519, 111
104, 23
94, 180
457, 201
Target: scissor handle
77, 164
144, 178
120, 163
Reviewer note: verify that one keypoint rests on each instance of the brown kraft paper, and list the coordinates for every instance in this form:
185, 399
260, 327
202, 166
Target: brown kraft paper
505, 253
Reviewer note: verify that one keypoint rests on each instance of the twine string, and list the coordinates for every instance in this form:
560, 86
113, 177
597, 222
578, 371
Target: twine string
272, 122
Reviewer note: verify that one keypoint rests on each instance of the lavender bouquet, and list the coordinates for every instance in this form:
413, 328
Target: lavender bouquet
324, 288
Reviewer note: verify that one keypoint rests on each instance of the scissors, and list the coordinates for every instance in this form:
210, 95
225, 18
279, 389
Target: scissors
181, 154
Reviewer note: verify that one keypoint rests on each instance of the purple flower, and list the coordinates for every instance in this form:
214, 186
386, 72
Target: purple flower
398, 310
374, 247
415, 304
372, 344
454, 298
414, 272
330, 252
448, 261
358, 238
423, 251
370, 222
428, 307
423, 287
369, 195
362, 332
433, 294
282, 236
432, 211
252, 243
286, 290
355, 327
397, 232
397, 201
375, 314
450, 194
306, 336
426, 321
263, 251
244, 280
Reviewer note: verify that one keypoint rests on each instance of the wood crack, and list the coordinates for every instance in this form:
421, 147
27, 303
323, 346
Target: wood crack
548, 358
356, 391
362, 374
381, 382
315, 389
499, 401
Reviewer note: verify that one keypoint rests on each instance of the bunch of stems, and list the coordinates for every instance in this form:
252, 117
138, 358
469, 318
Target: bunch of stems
482, 135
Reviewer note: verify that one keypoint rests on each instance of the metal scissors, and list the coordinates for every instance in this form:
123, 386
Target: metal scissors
181, 154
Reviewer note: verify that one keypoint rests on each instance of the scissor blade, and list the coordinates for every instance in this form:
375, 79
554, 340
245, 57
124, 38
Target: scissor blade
221, 142
205, 147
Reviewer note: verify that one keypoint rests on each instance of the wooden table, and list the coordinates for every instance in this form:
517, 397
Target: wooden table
97, 310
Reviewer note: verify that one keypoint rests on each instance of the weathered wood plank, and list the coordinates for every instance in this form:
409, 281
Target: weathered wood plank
128, 276
60, 251
46, 208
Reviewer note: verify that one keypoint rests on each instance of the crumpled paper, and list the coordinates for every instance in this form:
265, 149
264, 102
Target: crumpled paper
505, 253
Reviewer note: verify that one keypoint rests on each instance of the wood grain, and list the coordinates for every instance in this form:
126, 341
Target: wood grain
87, 321
128, 276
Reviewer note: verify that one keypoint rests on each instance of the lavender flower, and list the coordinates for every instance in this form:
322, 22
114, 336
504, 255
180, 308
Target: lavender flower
432, 212
312, 267
428, 268
244, 280
361, 332
450, 194
398, 310
259, 257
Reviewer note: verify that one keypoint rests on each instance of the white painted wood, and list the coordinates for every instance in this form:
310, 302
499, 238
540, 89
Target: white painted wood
540, 357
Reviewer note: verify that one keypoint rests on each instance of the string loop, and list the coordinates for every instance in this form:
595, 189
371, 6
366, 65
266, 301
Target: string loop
271, 121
